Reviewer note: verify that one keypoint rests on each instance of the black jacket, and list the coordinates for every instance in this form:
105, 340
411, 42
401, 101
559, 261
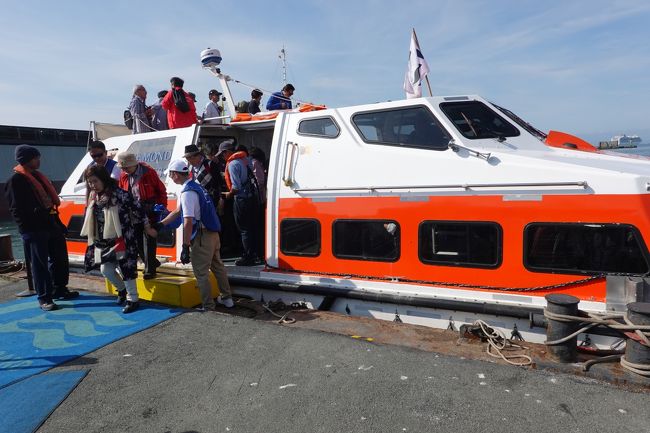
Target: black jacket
27, 211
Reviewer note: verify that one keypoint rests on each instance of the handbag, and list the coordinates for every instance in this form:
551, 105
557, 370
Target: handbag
110, 250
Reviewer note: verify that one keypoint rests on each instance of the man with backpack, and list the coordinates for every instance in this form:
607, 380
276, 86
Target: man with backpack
243, 189
201, 242
181, 111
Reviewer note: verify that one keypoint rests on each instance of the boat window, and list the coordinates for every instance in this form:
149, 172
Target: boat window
166, 238
470, 244
300, 237
476, 120
74, 229
377, 240
157, 152
409, 127
521, 122
585, 248
321, 127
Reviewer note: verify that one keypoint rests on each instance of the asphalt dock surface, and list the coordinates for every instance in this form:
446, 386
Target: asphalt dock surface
214, 372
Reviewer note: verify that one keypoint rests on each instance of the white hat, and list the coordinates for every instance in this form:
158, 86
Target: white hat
178, 165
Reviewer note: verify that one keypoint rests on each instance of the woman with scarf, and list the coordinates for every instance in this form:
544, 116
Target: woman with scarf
109, 224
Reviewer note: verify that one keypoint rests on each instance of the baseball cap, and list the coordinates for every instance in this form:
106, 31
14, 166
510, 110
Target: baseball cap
178, 165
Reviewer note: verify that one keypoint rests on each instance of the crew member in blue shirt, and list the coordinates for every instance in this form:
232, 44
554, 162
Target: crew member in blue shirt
281, 100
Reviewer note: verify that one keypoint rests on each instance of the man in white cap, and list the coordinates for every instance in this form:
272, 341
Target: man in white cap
201, 241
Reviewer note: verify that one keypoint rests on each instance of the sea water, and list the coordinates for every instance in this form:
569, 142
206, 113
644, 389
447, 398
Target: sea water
8, 227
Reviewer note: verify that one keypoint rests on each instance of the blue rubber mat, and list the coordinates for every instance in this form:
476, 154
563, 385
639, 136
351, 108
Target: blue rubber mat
28, 403
32, 341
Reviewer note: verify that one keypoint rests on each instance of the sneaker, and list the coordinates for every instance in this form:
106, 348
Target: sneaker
65, 294
121, 297
226, 302
130, 307
49, 306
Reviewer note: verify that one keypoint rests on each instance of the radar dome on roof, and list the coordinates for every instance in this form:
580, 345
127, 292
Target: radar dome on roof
210, 58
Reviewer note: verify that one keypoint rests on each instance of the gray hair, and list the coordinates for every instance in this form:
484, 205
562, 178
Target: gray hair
137, 87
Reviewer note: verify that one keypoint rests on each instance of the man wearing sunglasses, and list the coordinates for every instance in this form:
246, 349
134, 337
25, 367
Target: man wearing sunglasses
98, 153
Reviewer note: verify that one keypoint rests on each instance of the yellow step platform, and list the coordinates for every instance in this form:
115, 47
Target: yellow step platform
177, 290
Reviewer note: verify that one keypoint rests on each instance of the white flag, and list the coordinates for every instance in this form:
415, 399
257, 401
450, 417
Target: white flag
416, 70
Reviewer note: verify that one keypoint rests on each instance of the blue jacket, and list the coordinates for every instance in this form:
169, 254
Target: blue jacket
275, 101
209, 217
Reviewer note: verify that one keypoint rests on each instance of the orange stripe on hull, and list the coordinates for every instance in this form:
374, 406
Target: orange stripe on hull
513, 216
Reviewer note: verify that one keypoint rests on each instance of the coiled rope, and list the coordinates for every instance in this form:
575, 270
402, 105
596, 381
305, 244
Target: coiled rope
498, 344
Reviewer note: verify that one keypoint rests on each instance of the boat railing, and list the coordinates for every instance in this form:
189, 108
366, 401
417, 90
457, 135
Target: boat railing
464, 186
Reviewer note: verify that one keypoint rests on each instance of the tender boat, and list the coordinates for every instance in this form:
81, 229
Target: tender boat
436, 210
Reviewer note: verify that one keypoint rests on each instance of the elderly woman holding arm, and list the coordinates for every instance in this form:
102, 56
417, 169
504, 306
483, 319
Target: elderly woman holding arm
110, 216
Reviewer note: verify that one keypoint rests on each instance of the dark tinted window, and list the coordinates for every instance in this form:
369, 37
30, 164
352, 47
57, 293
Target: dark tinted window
475, 120
585, 248
473, 244
167, 238
300, 237
412, 127
74, 228
366, 240
324, 127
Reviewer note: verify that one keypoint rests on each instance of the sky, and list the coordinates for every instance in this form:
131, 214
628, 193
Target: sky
581, 67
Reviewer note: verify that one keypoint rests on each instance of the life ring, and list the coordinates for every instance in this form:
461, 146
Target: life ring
311, 107
247, 117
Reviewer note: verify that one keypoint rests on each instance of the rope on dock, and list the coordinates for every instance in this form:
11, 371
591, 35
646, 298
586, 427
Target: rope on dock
11, 267
498, 344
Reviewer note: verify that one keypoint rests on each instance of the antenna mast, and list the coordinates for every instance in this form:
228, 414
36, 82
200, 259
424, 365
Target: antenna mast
283, 56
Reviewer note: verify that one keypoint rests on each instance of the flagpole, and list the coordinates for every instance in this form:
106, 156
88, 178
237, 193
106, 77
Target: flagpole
426, 77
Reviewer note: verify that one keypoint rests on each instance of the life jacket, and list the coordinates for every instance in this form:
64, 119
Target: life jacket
209, 218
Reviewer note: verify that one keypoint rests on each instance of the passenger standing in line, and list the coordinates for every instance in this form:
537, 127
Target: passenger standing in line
281, 100
159, 114
142, 181
241, 189
97, 151
139, 110
181, 111
230, 238
201, 242
33, 203
212, 108
258, 165
254, 103
205, 172
109, 225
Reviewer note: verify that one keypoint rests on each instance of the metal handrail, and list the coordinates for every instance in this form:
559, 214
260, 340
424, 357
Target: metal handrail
288, 179
465, 186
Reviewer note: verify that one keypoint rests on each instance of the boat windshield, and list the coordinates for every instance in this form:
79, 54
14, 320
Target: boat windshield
521, 122
475, 120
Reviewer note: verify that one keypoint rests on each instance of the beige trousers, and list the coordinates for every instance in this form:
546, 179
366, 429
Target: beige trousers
205, 257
